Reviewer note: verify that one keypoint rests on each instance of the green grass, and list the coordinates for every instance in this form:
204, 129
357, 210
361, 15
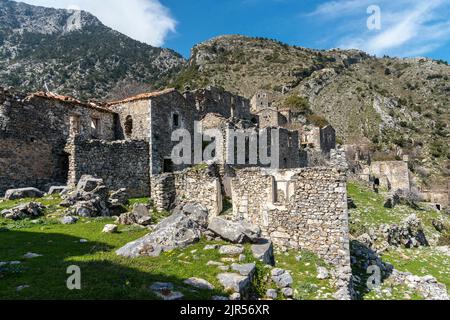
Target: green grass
104, 275
370, 212
304, 273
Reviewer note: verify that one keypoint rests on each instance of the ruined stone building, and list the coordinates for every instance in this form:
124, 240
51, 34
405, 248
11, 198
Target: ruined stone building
47, 139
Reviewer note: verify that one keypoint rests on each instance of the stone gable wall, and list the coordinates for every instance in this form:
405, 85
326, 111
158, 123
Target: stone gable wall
297, 209
121, 164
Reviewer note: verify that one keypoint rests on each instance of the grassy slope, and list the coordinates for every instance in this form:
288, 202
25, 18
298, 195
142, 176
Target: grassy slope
106, 276
421, 261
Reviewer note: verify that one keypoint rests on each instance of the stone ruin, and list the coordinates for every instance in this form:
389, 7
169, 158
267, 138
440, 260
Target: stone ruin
50, 140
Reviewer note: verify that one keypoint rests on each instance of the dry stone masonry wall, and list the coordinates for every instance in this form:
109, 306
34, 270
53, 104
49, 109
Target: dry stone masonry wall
297, 209
197, 185
121, 164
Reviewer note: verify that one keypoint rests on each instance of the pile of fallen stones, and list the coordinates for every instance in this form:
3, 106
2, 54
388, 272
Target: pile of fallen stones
30, 210
409, 234
427, 286
91, 198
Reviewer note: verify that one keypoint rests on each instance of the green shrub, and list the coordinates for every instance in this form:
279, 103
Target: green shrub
298, 104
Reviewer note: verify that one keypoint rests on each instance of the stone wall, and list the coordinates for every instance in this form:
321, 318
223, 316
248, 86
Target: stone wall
121, 164
199, 184
392, 175
299, 209
163, 109
134, 119
33, 133
217, 100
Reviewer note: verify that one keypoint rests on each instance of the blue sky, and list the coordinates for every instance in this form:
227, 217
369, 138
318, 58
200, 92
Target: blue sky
407, 27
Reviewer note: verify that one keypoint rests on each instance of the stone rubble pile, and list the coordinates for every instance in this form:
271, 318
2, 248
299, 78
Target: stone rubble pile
427, 286
140, 215
31, 210
91, 199
409, 234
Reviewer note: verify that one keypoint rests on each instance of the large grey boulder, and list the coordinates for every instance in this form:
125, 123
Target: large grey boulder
119, 197
14, 194
57, 190
282, 278
89, 183
235, 232
140, 215
248, 269
235, 283
199, 283
28, 210
177, 231
263, 251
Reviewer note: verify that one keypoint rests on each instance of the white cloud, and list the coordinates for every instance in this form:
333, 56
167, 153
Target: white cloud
144, 20
409, 27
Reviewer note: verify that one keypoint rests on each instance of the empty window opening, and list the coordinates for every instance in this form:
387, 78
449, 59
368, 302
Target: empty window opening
168, 165
176, 120
128, 126
75, 125
438, 207
95, 127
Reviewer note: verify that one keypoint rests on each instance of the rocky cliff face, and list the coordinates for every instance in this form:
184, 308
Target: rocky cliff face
72, 52
395, 106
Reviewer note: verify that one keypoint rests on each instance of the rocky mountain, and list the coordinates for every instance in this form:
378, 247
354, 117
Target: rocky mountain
72, 52
393, 106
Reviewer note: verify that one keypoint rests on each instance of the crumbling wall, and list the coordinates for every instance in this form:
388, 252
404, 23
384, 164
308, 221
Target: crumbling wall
199, 184
133, 119
217, 100
392, 175
33, 134
121, 164
299, 209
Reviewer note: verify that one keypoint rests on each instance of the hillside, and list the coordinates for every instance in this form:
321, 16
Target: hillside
72, 52
395, 106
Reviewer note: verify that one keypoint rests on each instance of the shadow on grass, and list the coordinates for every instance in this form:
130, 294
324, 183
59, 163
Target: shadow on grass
366, 257
104, 275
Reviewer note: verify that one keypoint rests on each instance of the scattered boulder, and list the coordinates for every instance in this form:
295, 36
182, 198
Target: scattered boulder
199, 284
31, 255
14, 194
263, 251
427, 286
322, 273
272, 294
140, 215
235, 232
235, 297
110, 228
119, 197
24, 211
89, 183
392, 201
439, 225
248, 269
287, 292
408, 233
165, 291
23, 287
90, 199
57, 190
231, 250
235, 283
281, 278
68, 220
177, 231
